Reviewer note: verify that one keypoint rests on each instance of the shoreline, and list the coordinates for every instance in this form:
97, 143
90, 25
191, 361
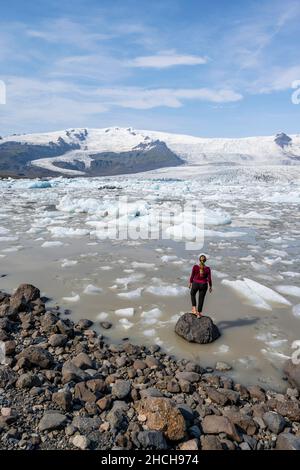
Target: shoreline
65, 387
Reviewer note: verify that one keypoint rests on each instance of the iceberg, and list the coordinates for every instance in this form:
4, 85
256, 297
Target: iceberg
266, 293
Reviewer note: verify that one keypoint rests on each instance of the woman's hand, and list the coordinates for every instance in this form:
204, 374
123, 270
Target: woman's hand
190, 285
210, 290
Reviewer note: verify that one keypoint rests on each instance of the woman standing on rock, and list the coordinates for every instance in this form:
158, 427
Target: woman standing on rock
199, 280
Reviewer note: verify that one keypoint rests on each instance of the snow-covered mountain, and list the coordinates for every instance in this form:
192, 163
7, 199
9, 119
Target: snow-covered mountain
95, 152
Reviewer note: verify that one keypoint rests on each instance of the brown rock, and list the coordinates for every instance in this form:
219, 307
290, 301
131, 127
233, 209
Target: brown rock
213, 424
244, 422
37, 356
153, 363
83, 393
162, 415
222, 396
83, 361
210, 442
192, 444
63, 398
257, 392
26, 291
287, 441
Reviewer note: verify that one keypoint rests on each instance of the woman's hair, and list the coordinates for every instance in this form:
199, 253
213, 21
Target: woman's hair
202, 254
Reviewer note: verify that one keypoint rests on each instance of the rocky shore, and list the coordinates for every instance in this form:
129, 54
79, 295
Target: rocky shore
63, 386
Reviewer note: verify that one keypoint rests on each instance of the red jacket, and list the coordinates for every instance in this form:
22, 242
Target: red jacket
205, 278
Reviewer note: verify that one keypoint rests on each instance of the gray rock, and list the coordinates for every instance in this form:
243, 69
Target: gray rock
287, 441
189, 376
70, 372
51, 421
292, 371
197, 330
274, 421
222, 366
83, 361
57, 340
37, 356
121, 389
85, 424
151, 392
28, 380
63, 398
7, 376
81, 442
106, 325
152, 440
84, 324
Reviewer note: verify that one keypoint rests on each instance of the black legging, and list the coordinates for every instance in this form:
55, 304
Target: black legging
202, 288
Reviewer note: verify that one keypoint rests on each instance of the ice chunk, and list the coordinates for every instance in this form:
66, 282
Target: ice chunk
74, 298
130, 279
102, 316
65, 232
241, 288
149, 332
134, 294
92, 290
266, 293
296, 310
150, 317
167, 290
138, 264
168, 258
66, 263
125, 312
222, 349
294, 291
51, 244
125, 323
105, 268
40, 185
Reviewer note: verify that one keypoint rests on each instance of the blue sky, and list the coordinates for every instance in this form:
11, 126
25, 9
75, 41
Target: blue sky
207, 68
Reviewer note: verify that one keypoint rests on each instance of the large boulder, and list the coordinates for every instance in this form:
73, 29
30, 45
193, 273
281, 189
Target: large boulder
292, 371
197, 330
161, 414
27, 292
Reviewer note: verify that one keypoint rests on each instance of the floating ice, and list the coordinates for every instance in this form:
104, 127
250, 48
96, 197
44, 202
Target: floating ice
168, 258
266, 293
222, 349
51, 244
134, 294
40, 185
130, 279
92, 290
65, 232
259, 267
167, 290
154, 313
74, 298
290, 274
242, 288
105, 268
66, 263
102, 316
138, 264
149, 332
294, 291
126, 323
296, 310
4, 231
126, 312
8, 239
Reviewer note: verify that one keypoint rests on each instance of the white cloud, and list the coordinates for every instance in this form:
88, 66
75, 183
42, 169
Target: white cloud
276, 79
166, 60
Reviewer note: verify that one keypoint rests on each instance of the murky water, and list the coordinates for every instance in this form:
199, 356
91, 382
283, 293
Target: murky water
95, 278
